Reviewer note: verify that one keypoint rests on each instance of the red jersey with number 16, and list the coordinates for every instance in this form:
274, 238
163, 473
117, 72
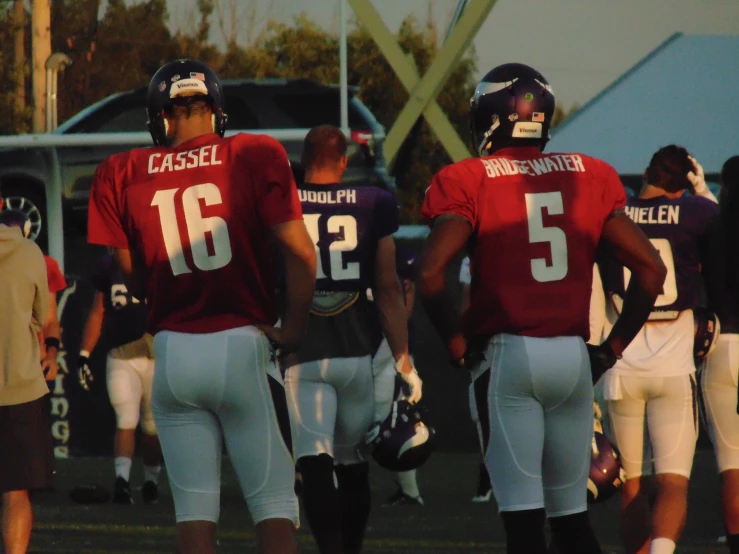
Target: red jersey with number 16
199, 216
537, 219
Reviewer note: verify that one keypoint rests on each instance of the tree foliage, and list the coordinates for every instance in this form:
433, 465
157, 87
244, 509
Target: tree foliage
123, 48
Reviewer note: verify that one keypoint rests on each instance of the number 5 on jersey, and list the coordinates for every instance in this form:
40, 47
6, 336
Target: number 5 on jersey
197, 228
552, 203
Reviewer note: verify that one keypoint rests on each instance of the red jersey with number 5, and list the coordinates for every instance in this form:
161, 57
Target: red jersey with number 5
199, 215
537, 219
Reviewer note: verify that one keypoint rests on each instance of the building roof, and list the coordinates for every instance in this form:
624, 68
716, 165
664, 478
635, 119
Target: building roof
684, 92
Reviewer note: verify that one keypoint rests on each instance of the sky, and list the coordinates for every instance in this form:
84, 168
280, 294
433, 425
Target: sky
580, 46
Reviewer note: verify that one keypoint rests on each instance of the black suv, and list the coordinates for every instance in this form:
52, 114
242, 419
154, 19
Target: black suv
285, 108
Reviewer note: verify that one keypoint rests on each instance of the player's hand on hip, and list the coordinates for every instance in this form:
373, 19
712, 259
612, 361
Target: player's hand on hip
84, 373
409, 374
283, 339
602, 358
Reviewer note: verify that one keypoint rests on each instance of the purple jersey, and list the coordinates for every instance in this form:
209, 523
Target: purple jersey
680, 231
345, 222
125, 317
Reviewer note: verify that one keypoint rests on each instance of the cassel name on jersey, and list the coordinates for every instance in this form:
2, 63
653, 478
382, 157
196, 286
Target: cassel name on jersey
328, 196
657, 214
495, 167
200, 157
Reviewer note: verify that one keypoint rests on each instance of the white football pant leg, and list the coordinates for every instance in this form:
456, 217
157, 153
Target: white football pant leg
669, 406
205, 383
125, 390
719, 388
331, 406
538, 410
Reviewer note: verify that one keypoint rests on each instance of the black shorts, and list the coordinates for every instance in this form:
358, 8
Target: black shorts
27, 460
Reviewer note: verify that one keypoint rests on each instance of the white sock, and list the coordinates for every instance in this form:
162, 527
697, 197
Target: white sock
123, 467
151, 473
662, 545
408, 484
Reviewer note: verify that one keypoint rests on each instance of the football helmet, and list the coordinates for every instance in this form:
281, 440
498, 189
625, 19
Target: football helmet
606, 474
513, 104
707, 331
182, 78
403, 441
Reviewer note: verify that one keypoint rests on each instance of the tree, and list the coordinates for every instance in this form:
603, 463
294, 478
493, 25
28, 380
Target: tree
560, 114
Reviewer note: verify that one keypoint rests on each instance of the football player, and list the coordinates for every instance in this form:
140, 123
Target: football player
329, 380
652, 390
129, 374
484, 488
384, 372
531, 223
192, 222
719, 375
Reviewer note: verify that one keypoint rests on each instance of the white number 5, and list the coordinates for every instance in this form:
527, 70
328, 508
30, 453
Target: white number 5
552, 202
197, 227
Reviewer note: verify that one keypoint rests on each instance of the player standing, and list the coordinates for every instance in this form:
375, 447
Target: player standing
531, 222
129, 375
329, 380
192, 222
719, 375
654, 384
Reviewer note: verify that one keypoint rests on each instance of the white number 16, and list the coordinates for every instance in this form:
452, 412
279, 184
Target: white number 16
552, 203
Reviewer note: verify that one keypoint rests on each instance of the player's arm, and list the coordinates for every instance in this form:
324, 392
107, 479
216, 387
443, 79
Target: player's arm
698, 181
597, 308
52, 334
465, 278
132, 269
299, 254
410, 296
448, 236
40, 309
388, 295
90, 338
630, 246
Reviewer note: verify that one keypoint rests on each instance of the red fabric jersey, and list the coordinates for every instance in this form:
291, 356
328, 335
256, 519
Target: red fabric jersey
199, 215
537, 219
54, 274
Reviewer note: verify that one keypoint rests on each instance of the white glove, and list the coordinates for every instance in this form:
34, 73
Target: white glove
412, 380
697, 177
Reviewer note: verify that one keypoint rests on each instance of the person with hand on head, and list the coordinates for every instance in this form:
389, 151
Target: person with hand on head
129, 375
531, 223
27, 460
192, 223
654, 383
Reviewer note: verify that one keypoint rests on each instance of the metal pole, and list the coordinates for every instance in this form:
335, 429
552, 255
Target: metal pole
49, 78
342, 68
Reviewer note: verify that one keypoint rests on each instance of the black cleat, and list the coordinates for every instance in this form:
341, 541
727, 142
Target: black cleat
150, 492
122, 492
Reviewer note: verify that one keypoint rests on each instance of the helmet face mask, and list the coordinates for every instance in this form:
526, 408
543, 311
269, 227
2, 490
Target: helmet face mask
182, 79
512, 105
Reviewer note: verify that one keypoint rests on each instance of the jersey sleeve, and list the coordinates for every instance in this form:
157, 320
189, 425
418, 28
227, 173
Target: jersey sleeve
386, 215
614, 193
277, 195
453, 191
104, 219
54, 275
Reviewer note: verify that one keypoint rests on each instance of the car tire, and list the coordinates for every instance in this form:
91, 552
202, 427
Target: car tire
30, 202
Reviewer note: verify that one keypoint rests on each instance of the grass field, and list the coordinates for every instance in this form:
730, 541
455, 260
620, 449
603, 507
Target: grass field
448, 523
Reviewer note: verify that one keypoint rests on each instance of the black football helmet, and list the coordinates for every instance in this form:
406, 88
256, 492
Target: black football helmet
513, 104
606, 474
403, 441
178, 79
707, 331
